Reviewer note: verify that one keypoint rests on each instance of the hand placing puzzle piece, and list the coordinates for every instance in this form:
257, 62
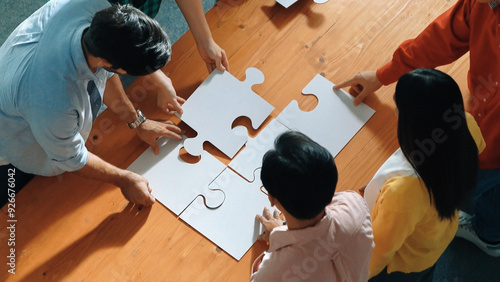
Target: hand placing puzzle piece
213, 107
176, 183
333, 122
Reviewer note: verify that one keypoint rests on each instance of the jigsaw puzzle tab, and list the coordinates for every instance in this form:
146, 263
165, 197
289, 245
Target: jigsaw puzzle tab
216, 103
250, 158
176, 183
333, 122
233, 226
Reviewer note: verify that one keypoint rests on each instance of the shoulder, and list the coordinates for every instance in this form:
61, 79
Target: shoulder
276, 265
403, 192
348, 211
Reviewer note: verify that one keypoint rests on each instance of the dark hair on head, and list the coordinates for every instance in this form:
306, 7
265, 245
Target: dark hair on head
434, 137
300, 174
128, 39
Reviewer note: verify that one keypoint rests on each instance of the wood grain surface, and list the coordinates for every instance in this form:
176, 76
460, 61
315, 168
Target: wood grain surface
74, 229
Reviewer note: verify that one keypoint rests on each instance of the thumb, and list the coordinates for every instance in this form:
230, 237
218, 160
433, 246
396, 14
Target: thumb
154, 146
361, 96
177, 106
219, 65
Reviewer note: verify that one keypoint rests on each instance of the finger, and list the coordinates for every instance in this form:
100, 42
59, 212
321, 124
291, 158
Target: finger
154, 146
180, 100
218, 64
260, 218
172, 135
150, 200
361, 96
358, 88
346, 83
176, 106
276, 214
225, 61
172, 128
267, 213
210, 67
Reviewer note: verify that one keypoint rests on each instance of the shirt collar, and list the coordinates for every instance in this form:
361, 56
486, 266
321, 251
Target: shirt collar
82, 69
493, 4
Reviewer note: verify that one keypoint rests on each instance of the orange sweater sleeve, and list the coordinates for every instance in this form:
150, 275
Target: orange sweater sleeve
442, 42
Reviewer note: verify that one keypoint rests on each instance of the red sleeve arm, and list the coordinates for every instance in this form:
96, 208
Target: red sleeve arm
442, 42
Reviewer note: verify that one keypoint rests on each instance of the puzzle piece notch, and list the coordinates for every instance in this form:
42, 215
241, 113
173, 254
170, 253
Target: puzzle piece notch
213, 107
250, 158
172, 179
233, 226
333, 122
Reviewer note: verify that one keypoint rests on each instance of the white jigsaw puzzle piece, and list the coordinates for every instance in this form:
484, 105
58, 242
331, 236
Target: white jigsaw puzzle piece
333, 122
176, 183
216, 103
288, 3
233, 226
250, 158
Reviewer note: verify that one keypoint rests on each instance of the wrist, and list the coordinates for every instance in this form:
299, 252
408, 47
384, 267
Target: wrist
121, 177
141, 118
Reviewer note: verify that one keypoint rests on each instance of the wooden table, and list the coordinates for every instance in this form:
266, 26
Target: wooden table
70, 228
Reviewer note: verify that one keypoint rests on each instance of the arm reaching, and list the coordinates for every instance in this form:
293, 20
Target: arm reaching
134, 187
213, 55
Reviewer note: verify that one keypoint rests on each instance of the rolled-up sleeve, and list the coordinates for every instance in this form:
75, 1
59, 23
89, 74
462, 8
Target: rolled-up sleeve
58, 133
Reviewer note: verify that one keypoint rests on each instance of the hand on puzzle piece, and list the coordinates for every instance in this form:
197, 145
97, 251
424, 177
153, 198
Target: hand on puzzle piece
135, 188
177, 182
214, 56
362, 85
150, 130
167, 97
269, 222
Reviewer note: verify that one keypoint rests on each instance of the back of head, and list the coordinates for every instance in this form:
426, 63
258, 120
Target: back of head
128, 39
434, 137
300, 174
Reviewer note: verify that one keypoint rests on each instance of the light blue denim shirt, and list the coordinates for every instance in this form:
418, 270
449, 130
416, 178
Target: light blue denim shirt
45, 113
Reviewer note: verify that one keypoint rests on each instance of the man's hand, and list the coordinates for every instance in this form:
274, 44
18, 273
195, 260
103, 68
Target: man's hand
167, 99
214, 56
135, 188
151, 130
269, 222
362, 85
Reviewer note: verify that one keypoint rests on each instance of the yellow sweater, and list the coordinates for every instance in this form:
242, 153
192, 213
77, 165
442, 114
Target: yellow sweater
409, 236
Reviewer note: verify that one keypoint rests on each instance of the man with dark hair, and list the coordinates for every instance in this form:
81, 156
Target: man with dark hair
325, 237
127, 39
53, 71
